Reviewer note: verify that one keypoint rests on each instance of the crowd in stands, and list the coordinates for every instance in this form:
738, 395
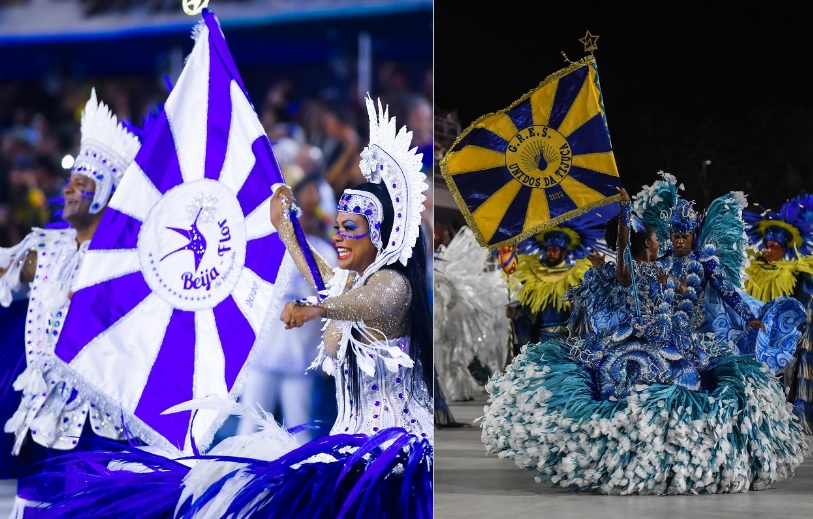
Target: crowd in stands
315, 134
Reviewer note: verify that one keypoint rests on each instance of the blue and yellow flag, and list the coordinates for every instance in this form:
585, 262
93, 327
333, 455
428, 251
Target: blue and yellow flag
543, 160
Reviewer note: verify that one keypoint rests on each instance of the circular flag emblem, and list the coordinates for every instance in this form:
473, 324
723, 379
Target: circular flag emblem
193, 258
538, 157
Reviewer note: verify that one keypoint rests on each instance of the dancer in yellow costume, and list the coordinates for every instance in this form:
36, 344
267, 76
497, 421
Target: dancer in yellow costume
550, 264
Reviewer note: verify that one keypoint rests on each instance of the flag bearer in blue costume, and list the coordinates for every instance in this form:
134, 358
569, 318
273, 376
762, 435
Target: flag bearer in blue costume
641, 403
704, 254
52, 415
377, 461
784, 268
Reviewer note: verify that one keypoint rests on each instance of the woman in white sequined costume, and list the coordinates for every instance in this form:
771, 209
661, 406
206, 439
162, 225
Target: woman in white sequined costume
376, 341
367, 342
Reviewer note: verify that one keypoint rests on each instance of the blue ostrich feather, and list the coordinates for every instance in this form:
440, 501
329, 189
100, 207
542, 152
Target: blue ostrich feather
386, 475
723, 226
798, 211
94, 490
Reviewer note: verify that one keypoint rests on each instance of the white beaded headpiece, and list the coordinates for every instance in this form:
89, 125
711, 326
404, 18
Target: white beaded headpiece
367, 205
106, 150
388, 159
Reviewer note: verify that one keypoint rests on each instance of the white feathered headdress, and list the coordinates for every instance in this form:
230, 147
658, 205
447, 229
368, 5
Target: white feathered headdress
106, 150
388, 159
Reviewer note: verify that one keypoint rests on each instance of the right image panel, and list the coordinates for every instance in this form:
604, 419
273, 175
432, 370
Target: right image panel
623, 261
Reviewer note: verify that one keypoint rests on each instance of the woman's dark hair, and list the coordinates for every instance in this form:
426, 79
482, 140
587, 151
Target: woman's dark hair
637, 239
420, 326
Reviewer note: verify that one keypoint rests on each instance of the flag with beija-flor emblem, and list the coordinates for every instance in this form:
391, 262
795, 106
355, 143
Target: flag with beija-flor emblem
185, 266
543, 160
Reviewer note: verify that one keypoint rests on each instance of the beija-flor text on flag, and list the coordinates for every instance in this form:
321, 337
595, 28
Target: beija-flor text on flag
185, 267
543, 160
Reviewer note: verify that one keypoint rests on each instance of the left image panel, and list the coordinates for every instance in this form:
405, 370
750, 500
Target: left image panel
215, 267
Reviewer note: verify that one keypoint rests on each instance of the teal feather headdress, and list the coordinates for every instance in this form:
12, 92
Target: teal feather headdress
720, 225
654, 205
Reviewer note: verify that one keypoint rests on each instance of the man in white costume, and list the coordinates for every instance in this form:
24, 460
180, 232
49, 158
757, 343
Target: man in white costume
44, 265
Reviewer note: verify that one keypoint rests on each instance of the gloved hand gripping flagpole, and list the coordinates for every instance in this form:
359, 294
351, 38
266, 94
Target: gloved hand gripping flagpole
306, 251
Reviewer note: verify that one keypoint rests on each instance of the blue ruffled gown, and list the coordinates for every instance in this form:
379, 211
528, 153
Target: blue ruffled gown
638, 404
716, 306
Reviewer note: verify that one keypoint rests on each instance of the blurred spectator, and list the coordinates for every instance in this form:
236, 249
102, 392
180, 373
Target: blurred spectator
278, 381
394, 89
300, 161
276, 114
341, 148
419, 119
314, 220
28, 203
50, 178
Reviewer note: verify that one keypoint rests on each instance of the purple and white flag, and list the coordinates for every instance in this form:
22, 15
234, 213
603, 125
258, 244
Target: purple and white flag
185, 267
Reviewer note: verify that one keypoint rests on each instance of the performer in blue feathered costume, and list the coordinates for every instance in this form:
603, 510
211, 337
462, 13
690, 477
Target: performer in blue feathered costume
705, 255
640, 404
783, 267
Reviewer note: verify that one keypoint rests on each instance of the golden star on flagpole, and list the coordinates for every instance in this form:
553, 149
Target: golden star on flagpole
589, 41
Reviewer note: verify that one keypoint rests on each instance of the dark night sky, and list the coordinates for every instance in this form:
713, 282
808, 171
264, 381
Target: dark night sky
681, 84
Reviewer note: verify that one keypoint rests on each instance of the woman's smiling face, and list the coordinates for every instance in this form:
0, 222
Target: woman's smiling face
355, 250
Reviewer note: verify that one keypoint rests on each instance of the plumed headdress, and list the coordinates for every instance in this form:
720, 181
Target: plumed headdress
791, 226
682, 217
577, 236
388, 160
106, 150
659, 204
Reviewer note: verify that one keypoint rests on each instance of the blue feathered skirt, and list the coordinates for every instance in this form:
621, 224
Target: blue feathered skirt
388, 475
734, 435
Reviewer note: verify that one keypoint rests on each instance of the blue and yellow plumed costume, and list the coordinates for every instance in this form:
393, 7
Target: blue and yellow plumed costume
791, 228
638, 402
540, 287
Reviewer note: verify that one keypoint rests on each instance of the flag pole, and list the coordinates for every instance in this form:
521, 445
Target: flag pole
307, 252
508, 258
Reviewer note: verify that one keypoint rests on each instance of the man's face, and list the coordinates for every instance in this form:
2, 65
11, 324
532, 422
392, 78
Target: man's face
554, 255
77, 204
682, 243
773, 251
